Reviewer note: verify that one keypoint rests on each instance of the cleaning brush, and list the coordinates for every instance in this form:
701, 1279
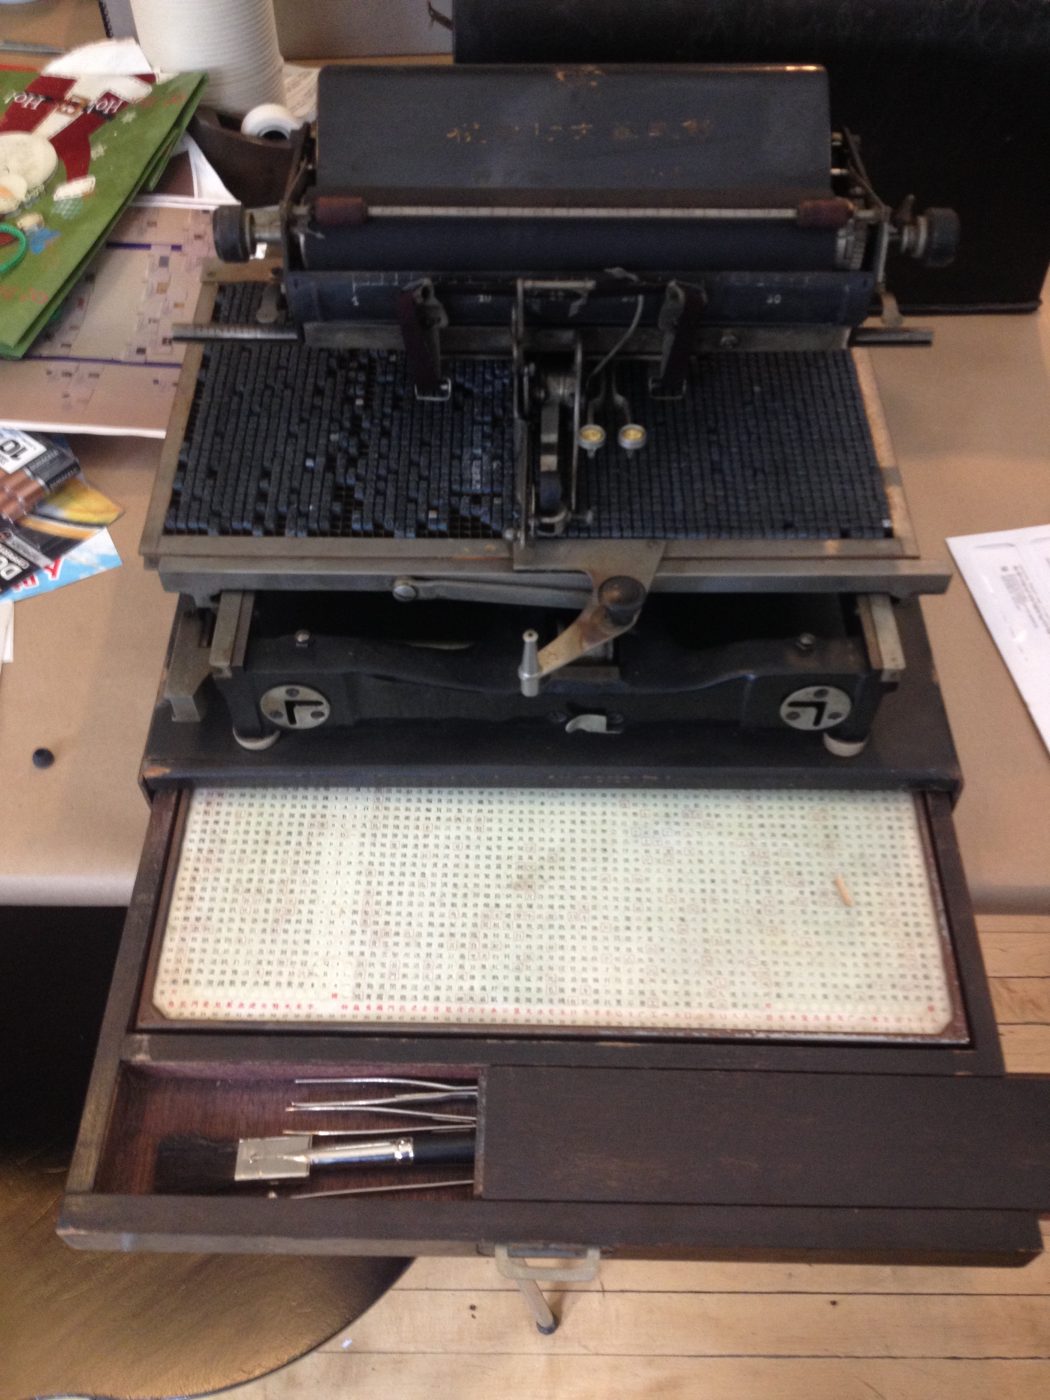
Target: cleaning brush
199, 1165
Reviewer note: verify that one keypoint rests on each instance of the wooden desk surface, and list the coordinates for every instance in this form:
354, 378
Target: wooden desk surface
970, 420
87, 662
971, 424
65, 24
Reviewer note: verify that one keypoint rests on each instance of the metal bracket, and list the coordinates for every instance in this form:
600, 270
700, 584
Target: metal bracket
189, 666
422, 319
891, 313
233, 621
191, 660
569, 1266
679, 319
881, 637
550, 497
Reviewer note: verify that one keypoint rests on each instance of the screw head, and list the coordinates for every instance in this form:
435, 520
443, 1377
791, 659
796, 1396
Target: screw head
805, 642
43, 758
622, 598
405, 591
302, 638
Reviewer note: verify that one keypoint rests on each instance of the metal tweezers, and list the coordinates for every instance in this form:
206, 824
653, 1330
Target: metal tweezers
424, 1091
387, 1108
464, 1089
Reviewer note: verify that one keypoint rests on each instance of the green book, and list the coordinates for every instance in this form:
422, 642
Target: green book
73, 152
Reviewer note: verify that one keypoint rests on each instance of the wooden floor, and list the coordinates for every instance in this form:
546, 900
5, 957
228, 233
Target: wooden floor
453, 1330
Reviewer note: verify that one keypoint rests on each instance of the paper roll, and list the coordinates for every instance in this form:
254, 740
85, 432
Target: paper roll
270, 120
233, 41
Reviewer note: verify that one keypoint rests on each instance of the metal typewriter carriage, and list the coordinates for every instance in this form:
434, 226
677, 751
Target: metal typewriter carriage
537, 499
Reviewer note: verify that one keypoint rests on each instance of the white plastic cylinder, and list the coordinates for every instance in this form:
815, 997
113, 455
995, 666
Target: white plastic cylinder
271, 121
233, 41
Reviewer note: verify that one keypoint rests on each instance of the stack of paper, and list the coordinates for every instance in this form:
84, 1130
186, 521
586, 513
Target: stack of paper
1008, 573
76, 144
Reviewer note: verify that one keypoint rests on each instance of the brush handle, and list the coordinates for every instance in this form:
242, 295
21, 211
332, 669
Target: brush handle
402, 1150
444, 1147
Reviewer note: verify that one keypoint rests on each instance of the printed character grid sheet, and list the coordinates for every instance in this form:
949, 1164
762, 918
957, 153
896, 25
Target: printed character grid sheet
798, 912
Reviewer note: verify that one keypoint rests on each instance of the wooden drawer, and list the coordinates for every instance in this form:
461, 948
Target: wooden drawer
677, 1145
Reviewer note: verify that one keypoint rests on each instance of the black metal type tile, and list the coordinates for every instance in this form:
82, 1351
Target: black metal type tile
286, 441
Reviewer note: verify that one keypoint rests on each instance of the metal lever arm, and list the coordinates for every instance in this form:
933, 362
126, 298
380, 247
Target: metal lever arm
620, 586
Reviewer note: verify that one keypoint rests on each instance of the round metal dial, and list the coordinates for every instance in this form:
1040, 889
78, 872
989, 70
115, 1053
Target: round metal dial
295, 707
815, 707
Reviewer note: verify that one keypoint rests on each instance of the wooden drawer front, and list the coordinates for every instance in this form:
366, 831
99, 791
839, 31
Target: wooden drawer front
776, 1139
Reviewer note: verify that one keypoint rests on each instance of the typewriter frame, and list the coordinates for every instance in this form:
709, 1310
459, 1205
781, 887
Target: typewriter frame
203, 566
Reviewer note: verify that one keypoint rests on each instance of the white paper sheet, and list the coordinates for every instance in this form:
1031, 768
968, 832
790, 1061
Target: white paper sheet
1008, 573
798, 913
7, 632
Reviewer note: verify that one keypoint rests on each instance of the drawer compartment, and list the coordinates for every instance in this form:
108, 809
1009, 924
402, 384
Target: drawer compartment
164, 1107
700, 1138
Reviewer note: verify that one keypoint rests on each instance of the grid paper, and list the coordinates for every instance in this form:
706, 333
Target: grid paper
778, 912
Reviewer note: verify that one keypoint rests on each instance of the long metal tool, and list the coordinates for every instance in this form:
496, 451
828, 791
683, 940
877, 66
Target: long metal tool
371, 1132
378, 1190
356, 1106
394, 1081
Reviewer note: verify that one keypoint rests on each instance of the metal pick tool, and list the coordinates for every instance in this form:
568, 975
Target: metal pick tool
356, 1106
428, 1096
395, 1082
371, 1132
375, 1190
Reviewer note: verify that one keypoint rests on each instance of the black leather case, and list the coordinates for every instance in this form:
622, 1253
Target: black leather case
950, 97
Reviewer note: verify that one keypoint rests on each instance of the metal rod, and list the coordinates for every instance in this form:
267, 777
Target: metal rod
511, 211
371, 1132
424, 1096
431, 1115
896, 335
378, 1190
186, 331
537, 1305
388, 1079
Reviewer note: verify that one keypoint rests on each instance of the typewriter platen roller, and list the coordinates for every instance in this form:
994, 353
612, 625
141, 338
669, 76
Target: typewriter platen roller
571, 346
